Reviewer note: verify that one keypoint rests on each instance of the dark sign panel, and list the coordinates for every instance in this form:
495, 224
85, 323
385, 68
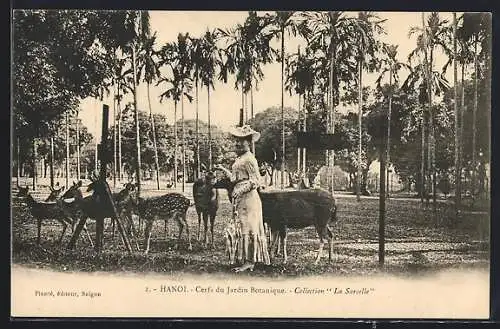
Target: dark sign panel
319, 141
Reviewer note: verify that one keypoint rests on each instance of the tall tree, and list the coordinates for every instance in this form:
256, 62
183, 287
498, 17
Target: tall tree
176, 56
369, 27
211, 59
391, 67
149, 69
283, 21
455, 111
434, 34
475, 26
333, 35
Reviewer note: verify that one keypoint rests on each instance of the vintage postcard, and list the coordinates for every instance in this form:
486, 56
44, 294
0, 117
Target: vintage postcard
183, 164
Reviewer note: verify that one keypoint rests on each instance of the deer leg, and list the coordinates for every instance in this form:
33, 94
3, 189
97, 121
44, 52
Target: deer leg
88, 235
212, 221
205, 226
278, 250
199, 225
147, 233
184, 215
274, 242
285, 255
320, 250
330, 243
65, 226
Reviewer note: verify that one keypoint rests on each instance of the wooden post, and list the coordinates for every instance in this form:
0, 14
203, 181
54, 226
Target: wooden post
18, 162
106, 196
382, 196
241, 118
102, 174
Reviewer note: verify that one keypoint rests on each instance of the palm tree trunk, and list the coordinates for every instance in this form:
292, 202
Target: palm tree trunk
432, 139
198, 167
251, 114
67, 151
209, 131
114, 140
360, 112
35, 156
153, 130
183, 142
389, 114
51, 161
78, 173
461, 128
422, 159
298, 129
120, 166
282, 108
304, 150
96, 159
331, 153
474, 113
176, 143
137, 132
242, 98
455, 110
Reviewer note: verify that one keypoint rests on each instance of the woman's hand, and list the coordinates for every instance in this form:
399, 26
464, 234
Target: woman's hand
224, 170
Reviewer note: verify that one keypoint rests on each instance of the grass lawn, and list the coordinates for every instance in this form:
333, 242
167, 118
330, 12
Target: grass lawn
417, 241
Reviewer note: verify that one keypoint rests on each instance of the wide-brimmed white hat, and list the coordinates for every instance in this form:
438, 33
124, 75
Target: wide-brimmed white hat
245, 131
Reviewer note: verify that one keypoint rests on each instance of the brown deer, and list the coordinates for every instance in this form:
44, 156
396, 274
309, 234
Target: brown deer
206, 200
295, 209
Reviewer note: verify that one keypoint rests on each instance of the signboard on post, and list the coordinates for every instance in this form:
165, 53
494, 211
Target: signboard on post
320, 141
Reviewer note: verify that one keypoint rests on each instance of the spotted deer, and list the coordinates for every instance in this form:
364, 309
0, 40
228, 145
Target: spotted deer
42, 211
164, 207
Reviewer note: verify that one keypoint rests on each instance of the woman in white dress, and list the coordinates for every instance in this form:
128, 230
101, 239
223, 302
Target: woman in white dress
252, 244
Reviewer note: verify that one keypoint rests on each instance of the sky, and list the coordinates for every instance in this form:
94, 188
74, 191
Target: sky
225, 101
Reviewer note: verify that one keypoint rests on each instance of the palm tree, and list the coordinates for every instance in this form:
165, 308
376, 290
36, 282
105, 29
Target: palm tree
369, 25
120, 80
176, 56
434, 34
246, 48
211, 59
148, 64
283, 21
333, 36
197, 61
390, 66
474, 28
141, 29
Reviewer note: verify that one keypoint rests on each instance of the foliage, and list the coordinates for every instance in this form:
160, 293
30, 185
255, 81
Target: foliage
60, 56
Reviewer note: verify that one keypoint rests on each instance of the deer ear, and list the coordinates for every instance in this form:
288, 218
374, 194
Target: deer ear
51, 189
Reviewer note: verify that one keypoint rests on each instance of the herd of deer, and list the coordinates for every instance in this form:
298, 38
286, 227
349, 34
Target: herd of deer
281, 210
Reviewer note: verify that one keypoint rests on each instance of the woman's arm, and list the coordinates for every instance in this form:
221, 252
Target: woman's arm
227, 172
